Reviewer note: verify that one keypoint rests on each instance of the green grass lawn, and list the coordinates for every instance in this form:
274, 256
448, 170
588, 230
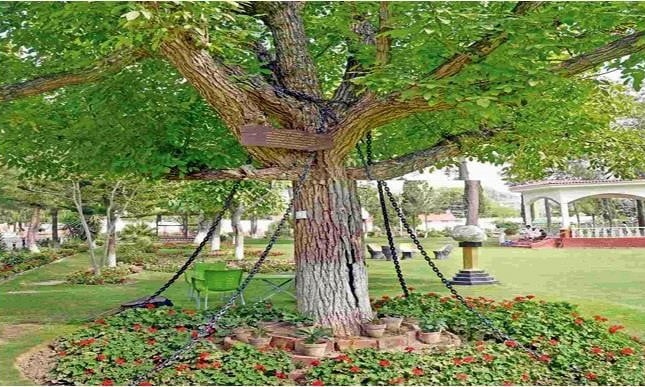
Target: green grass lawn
610, 282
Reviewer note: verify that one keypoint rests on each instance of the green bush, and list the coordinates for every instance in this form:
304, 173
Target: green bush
510, 228
133, 254
133, 232
17, 261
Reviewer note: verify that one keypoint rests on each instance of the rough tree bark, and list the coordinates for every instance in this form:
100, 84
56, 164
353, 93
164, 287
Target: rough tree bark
32, 231
331, 279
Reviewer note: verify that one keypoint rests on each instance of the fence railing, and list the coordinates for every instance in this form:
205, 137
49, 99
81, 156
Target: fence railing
608, 232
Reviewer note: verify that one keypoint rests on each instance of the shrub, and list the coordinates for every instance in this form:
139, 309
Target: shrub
132, 253
17, 261
510, 228
115, 275
133, 232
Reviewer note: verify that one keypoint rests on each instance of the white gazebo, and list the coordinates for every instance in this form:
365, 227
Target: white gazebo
564, 192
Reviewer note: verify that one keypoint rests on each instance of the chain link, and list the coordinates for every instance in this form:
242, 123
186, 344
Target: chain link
208, 327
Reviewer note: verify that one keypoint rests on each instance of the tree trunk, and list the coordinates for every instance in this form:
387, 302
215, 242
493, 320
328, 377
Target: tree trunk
522, 212
236, 223
640, 213
157, 221
32, 231
471, 188
575, 211
78, 202
55, 238
216, 241
184, 224
331, 278
254, 226
110, 243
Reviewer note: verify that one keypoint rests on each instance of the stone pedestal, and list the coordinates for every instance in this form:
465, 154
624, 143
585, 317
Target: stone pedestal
470, 274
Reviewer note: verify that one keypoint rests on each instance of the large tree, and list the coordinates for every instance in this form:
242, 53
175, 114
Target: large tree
499, 81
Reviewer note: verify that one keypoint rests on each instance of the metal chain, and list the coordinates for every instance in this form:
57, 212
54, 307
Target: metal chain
227, 204
386, 217
496, 331
208, 327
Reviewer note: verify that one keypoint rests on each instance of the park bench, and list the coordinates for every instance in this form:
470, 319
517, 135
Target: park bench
388, 253
375, 252
443, 252
407, 250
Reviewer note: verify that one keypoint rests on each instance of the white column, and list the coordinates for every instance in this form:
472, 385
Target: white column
564, 211
527, 212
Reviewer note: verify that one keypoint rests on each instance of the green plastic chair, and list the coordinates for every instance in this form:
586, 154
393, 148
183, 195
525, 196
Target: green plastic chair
217, 281
197, 271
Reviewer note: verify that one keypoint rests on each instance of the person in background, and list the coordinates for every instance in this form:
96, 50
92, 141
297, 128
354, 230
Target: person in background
525, 233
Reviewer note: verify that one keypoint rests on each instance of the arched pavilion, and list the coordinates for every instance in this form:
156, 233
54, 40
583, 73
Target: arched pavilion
564, 192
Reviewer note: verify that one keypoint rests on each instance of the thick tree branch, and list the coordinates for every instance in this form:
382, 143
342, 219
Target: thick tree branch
47, 83
379, 112
400, 166
618, 48
383, 39
271, 173
295, 68
237, 105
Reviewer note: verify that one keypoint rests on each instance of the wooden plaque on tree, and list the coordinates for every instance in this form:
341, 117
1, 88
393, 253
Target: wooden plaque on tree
257, 135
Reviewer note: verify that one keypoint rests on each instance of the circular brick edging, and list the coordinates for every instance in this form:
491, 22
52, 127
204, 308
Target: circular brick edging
283, 337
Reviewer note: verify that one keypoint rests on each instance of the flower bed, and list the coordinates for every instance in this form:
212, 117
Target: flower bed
109, 275
14, 262
571, 350
172, 264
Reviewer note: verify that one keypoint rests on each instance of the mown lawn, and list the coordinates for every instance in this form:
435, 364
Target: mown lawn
610, 282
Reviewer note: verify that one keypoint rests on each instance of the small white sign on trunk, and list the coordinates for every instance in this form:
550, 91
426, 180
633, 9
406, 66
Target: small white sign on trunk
301, 214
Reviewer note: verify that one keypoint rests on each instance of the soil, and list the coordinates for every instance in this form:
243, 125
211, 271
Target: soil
35, 363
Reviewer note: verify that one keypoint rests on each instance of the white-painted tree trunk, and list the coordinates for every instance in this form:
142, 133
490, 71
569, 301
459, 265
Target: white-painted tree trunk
216, 241
236, 222
32, 231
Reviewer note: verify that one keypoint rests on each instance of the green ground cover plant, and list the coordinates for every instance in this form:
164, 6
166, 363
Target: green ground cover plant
17, 261
570, 349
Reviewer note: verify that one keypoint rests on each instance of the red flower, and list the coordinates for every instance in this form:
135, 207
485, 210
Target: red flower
260, 368
100, 321
578, 321
182, 367
89, 371
343, 357
150, 306
488, 358
152, 330
627, 351
417, 371
181, 328
507, 383
395, 381
86, 342
317, 382
216, 364
194, 334
62, 353
107, 382
315, 363
145, 383
100, 357
280, 375
595, 350
519, 298
600, 318
610, 355
119, 361
511, 343
189, 312
171, 312
545, 358
615, 328
385, 298
354, 369
461, 376
468, 359
151, 341
204, 356
136, 327
384, 363
525, 377
553, 342
431, 294
409, 349
457, 361
202, 364
138, 362
530, 296
591, 376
